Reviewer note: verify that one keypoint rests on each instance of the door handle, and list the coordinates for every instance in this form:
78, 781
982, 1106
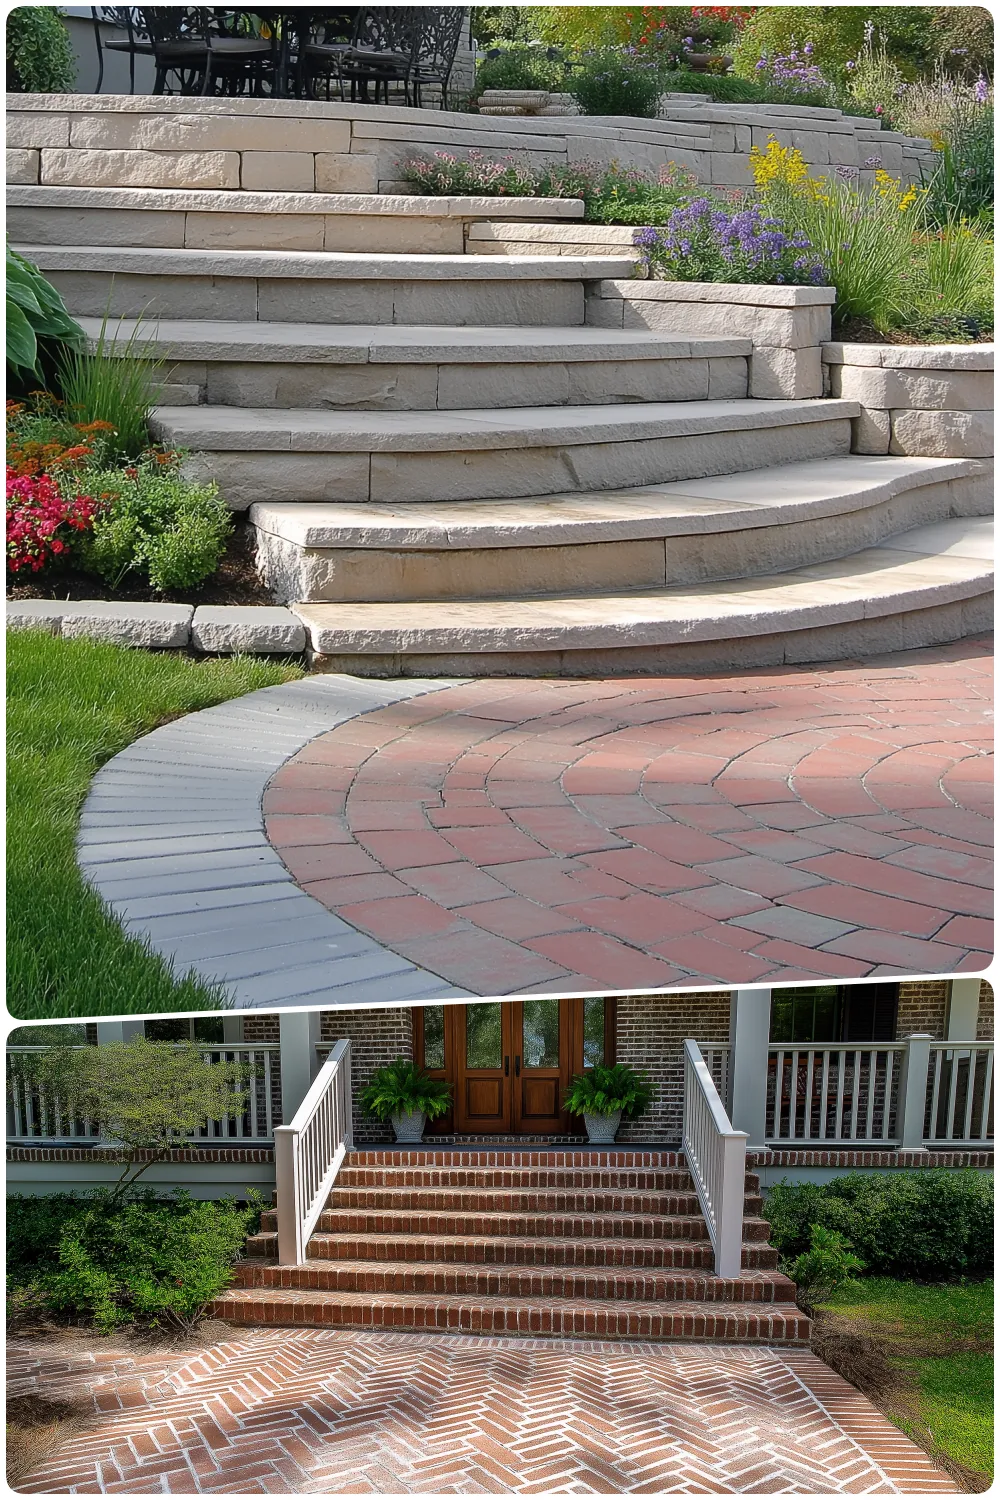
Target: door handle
506, 1067
517, 1066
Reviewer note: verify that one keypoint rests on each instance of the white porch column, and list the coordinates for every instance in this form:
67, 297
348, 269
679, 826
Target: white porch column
749, 1034
232, 1030
118, 1031
298, 1035
963, 1010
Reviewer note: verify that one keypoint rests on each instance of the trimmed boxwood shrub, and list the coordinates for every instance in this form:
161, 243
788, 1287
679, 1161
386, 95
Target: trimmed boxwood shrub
152, 1261
927, 1225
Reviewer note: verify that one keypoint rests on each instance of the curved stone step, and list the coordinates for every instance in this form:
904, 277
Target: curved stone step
207, 219
315, 287
737, 1322
419, 368
669, 535
928, 585
389, 457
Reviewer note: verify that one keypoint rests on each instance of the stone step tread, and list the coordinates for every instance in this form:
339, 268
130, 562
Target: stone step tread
396, 1309
326, 265
760, 497
948, 561
248, 201
297, 430
655, 1283
398, 343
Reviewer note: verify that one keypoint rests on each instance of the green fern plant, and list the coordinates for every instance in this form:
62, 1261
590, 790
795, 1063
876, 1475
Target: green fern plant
606, 1090
401, 1088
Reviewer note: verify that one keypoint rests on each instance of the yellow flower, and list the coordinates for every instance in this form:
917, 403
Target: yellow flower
784, 165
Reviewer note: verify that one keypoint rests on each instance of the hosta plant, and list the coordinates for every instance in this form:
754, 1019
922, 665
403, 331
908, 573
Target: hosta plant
35, 311
608, 1090
402, 1088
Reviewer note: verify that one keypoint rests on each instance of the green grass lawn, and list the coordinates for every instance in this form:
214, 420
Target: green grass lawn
941, 1340
71, 705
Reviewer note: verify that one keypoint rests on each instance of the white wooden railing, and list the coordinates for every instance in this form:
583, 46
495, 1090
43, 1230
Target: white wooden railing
716, 1155
36, 1117
912, 1094
308, 1154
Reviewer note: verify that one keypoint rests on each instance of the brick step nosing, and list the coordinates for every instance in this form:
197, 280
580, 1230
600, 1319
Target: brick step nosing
512, 1200
602, 1157
611, 1284
724, 1322
557, 1225
622, 1180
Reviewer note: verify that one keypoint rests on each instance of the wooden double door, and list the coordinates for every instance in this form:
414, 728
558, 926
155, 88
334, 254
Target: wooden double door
509, 1062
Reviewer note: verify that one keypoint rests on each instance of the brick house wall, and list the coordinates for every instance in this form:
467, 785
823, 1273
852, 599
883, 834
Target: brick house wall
376, 1037
984, 1025
650, 1034
923, 1006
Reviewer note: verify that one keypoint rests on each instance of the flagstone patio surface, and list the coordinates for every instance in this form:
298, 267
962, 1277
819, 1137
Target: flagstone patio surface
313, 1412
518, 836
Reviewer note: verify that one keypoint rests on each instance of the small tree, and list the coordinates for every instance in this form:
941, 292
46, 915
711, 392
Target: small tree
146, 1096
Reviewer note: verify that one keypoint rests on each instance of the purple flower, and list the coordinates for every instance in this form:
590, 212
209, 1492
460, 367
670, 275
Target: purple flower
982, 90
873, 162
850, 66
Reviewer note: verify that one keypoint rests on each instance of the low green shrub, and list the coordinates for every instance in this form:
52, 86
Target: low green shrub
725, 88
606, 1090
151, 1261
927, 1225
39, 52
612, 83
402, 1088
520, 68
156, 525
825, 1267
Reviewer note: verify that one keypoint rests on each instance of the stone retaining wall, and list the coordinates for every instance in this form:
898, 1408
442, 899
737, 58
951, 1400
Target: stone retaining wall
109, 140
787, 324
926, 400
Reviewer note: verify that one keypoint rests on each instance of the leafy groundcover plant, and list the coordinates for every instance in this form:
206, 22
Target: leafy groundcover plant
401, 1088
606, 1090
149, 1261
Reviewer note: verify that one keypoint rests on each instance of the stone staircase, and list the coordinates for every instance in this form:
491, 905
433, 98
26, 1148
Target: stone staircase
561, 1243
449, 472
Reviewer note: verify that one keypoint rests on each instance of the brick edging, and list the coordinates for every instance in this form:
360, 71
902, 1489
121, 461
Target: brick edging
245, 1155
905, 1159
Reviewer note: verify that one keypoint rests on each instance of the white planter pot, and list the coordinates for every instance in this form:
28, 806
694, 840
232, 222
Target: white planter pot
602, 1129
409, 1127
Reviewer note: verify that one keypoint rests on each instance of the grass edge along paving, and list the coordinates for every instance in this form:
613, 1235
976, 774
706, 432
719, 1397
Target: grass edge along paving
937, 1340
71, 706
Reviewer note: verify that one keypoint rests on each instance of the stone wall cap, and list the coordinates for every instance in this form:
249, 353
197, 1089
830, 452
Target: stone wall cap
911, 356
746, 294
208, 200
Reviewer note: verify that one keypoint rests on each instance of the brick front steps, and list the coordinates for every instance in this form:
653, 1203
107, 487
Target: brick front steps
564, 1244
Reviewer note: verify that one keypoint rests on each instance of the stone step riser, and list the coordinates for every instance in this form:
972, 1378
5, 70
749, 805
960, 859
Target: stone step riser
472, 1281
908, 626
454, 386
683, 1322
528, 1200
399, 478
271, 299
372, 574
414, 1248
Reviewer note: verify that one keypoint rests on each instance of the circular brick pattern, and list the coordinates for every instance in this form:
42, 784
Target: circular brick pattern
528, 835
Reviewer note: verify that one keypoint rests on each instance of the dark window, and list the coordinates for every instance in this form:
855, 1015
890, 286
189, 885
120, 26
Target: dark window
209, 1029
831, 1013
167, 1031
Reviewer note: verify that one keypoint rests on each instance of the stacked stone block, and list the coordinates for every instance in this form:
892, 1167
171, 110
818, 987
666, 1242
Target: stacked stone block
928, 401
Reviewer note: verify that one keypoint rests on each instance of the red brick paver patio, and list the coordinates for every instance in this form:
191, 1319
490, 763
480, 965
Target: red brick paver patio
529, 835
313, 1412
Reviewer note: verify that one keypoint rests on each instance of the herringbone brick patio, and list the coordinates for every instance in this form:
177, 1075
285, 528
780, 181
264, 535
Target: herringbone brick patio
312, 1412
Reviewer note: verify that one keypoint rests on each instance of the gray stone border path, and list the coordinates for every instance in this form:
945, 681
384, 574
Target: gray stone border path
172, 838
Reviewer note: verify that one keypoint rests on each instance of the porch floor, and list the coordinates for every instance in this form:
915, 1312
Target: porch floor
308, 1412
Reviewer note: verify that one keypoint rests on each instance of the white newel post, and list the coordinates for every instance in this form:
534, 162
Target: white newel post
729, 1250
963, 1010
913, 1092
749, 1037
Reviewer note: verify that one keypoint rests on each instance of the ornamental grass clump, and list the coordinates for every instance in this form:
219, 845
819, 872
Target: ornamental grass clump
705, 242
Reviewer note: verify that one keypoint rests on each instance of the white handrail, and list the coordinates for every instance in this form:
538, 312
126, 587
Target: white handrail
716, 1155
308, 1154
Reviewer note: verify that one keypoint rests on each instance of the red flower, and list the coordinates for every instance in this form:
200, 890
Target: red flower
38, 520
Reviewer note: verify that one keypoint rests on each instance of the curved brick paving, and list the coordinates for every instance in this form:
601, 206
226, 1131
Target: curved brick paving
519, 835
362, 1413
